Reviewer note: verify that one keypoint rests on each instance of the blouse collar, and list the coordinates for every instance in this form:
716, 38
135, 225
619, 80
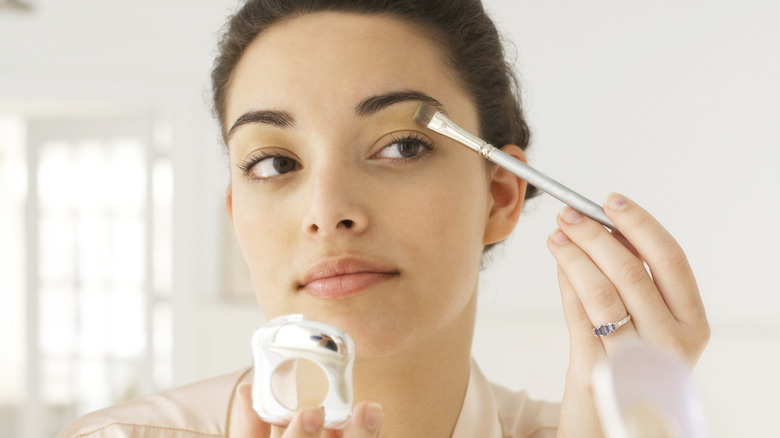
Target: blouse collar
479, 414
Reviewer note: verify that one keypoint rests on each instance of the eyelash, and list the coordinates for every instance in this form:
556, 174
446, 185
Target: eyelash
412, 138
246, 166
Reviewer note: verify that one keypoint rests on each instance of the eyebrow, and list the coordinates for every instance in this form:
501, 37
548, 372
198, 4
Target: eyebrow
367, 107
374, 104
278, 118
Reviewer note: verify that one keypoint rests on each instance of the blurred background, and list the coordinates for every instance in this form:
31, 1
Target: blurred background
119, 274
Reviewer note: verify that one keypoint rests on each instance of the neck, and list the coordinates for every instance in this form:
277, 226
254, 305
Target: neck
421, 389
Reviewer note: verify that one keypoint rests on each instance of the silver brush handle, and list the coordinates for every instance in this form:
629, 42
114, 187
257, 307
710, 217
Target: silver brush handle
444, 126
550, 186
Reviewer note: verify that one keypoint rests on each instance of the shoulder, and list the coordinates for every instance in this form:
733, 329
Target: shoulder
196, 410
523, 417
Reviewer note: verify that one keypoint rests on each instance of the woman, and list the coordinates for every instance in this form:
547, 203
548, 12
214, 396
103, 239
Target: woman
350, 213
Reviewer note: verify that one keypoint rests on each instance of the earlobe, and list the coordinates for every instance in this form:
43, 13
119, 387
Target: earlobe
508, 194
229, 201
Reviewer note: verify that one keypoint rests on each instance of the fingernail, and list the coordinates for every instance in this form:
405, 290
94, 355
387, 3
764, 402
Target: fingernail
559, 238
372, 416
240, 399
616, 202
571, 216
241, 389
313, 419
243, 392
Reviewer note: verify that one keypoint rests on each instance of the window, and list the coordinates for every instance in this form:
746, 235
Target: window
86, 265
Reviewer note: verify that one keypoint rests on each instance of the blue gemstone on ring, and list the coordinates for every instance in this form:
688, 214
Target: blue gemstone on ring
604, 330
610, 327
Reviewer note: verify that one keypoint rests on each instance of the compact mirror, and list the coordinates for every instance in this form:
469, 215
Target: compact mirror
299, 382
300, 363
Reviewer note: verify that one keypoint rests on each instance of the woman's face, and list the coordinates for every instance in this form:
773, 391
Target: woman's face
346, 210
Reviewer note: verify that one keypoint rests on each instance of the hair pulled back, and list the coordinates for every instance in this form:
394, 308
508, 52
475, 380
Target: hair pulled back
462, 29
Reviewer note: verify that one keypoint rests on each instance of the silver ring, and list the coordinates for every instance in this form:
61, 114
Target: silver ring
610, 327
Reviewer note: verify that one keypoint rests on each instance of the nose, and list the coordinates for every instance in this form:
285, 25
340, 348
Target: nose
337, 205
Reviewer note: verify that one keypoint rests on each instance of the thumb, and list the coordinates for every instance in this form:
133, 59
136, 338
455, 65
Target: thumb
249, 425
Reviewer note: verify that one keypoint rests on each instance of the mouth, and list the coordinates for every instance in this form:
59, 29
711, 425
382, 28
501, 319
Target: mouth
344, 277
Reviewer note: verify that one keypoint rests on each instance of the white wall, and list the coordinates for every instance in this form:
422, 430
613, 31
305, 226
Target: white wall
147, 55
674, 103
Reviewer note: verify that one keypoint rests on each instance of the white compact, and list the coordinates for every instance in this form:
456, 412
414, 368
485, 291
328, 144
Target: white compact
301, 363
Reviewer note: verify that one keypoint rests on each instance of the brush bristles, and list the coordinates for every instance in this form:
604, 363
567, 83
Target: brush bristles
424, 114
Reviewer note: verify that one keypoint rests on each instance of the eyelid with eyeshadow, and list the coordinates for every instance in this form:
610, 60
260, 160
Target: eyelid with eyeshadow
397, 137
425, 144
258, 156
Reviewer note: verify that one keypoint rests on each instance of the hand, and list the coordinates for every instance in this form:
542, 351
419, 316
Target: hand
603, 278
308, 422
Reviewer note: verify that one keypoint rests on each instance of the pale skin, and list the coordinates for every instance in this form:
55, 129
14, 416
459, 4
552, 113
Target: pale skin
343, 183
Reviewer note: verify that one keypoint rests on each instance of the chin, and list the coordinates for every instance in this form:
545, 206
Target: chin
374, 336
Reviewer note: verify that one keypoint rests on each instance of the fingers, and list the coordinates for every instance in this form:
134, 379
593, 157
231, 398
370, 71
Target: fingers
596, 294
611, 280
664, 256
249, 424
365, 422
586, 349
641, 272
307, 422
603, 276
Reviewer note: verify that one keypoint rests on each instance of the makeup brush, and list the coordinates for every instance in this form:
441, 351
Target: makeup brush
438, 122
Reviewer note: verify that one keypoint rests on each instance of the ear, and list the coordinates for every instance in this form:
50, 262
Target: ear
508, 193
229, 200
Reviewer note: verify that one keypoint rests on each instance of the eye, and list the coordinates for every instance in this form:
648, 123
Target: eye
406, 147
266, 166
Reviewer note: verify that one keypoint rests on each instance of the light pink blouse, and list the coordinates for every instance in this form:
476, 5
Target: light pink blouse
203, 409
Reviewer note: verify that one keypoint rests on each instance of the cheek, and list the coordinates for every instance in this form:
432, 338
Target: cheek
264, 235
442, 239
445, 224
455, 212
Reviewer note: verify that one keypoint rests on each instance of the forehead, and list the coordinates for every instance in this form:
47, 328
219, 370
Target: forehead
327, 61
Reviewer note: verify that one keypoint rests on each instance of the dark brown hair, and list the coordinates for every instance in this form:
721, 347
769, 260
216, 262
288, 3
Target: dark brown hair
467, 36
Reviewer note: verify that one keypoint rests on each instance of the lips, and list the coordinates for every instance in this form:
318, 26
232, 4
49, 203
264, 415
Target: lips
344, 277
